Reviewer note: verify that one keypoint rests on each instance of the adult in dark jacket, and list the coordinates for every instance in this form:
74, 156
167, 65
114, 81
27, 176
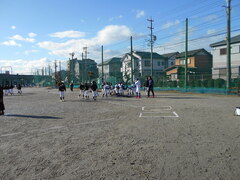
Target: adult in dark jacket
151, 85
2, 107
146, 86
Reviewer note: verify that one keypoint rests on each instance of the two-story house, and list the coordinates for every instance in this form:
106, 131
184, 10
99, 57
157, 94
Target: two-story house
219, 52
111, 69
199, 65
142, 64
170, 59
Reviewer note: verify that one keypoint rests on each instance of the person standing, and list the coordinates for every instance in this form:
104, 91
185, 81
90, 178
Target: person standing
94, 90
86, 91
81, 93
138, 88
151, 84
61, 89
2, 107
147, 86
19, 88
71, 86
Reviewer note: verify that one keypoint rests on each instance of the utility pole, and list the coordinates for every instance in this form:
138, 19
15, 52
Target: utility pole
228, 44
131, 60
102, 67
60, 71
151, 43
82, 68
85, 51
186, 55
55, 74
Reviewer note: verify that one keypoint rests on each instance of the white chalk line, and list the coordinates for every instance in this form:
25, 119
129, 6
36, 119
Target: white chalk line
155, 110
11, 134
54, 128
175, 115
168, 108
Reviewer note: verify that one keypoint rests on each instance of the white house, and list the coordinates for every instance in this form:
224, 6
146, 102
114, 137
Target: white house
219, 52
142, 64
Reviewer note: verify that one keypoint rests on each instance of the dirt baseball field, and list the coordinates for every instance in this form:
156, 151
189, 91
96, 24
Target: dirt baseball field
172, 136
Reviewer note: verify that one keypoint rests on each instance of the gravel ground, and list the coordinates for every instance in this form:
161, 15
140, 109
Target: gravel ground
171, 136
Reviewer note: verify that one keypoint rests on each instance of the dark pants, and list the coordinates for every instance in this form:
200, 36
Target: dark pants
150, 89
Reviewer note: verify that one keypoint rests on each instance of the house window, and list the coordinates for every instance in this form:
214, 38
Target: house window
183, 61
159, 63
147, 63
172, 63
223, 51
173, 76
163, 63
222, 71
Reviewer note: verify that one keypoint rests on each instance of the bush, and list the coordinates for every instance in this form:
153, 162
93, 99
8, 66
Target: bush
191, 83
210, 83
205, 83
198, 83
180, 83
219, 83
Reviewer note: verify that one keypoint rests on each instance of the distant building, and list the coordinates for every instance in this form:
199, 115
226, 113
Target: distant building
170, 59
111, 69
81, 70
219, 52
199, 65
142, 65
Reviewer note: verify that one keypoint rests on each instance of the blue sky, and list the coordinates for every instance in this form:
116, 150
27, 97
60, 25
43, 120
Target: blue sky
34, 33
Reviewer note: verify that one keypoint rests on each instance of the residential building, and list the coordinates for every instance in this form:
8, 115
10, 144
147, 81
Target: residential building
81, 70
219, 52
142, 65
111, 69
199, 65
170, 59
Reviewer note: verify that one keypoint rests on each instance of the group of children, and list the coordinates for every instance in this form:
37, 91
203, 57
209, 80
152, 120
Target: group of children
10, 89
108, 89
84, 90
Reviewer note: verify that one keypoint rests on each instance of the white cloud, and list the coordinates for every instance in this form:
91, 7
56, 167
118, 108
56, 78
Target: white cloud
68, 34
31, 34
113, 33
109, 34
11, 43
114, 18
211, 31
13, 27
140, 13
211, 17
170, 24
27, 52
20, 38
22, 66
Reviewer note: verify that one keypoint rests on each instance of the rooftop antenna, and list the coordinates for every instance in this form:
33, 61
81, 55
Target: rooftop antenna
72, 54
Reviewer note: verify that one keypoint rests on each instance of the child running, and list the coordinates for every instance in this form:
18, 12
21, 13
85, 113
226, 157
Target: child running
94, 90
138, 87
81, 93
61, 89
86, 91
19, 88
